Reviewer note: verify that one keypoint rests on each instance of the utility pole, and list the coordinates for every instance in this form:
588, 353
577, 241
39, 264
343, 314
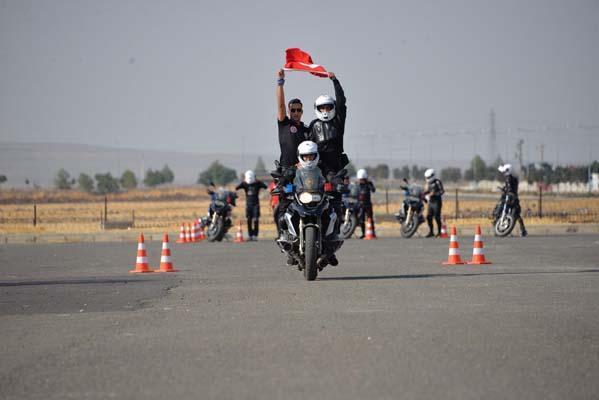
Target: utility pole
519, 153
542, 150
492, 137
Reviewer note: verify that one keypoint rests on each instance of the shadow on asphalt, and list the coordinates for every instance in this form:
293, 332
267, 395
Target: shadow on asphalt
71, 282
424, 276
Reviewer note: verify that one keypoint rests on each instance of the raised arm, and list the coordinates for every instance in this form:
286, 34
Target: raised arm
281, 112
340, 99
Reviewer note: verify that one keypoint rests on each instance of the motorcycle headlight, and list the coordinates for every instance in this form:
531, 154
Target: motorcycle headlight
307, 197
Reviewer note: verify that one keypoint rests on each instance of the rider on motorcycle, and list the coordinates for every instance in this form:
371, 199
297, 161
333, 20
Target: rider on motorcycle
252, 187
511, 186
365, 188
434, 191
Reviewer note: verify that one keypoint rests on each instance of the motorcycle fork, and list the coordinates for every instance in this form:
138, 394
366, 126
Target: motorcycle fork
409, 214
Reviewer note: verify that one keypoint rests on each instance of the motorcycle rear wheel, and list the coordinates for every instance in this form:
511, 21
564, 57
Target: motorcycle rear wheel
310, 253
349, 227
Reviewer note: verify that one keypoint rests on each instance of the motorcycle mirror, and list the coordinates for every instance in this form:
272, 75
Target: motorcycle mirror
341, 173
405, 180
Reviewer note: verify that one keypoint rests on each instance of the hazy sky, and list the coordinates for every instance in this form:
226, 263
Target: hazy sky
200, 75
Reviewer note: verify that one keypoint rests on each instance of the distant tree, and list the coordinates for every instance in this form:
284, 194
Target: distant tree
2, 179
106, 183
86, 183
159, 177
451, 174
400, 173
128, 180
381, 171
167, 174
477, 171
217, 173
63, 180
260, 168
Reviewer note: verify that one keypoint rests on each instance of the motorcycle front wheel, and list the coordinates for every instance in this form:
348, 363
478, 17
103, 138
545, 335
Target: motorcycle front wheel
409, 228
216, 231
311, 253
349, 226
505, 225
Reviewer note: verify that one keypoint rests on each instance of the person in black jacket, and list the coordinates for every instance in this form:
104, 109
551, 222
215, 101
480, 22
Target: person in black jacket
327, 131
364, 188
511, 186
434, 191
252, 188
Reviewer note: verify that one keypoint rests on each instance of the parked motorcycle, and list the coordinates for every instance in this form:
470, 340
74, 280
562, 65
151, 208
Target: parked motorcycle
219, 221
504, 214
353, 213
410, 215
310, 219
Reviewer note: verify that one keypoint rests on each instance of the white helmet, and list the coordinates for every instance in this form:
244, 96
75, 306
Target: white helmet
429, 174
250, 177
507, 169
324, 100
362, 174
308, 148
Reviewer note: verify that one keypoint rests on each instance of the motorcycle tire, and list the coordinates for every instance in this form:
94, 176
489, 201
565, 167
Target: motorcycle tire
216, 231
311, 253
409, 228
349, 227
505, 227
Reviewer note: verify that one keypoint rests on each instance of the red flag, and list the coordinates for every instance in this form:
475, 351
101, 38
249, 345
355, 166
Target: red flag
299, 60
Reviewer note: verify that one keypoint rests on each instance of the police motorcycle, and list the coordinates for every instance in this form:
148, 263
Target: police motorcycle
353, 213
504, 214
218, 222
410, 215
309, 219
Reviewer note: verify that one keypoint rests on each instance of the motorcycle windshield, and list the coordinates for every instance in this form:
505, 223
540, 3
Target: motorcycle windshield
310, 180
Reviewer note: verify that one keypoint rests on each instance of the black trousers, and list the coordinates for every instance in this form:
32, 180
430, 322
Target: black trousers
434, 211
252, 214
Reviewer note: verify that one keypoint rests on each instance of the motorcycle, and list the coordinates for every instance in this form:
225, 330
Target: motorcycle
353, 214
309, 220
504, 214
219, 221
410, 215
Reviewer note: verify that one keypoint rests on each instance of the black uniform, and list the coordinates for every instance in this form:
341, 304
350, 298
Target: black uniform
365, 188
328, 135
511, 186
435, 203
291, 134
252, 205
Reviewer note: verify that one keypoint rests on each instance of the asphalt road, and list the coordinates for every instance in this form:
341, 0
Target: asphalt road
389, 322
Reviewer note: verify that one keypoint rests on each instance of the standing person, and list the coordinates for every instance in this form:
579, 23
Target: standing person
252, 188
292, 132
365, 188
434, 192
511, 186
327, 131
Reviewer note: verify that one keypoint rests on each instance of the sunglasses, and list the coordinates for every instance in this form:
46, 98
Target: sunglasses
296, 110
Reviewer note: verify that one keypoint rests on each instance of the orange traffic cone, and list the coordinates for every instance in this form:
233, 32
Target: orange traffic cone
478, 253
181, 233
202, 234
454, 249
141, 262
187, 233
166, 263
369, 235
444, 231
239, 235
195, 232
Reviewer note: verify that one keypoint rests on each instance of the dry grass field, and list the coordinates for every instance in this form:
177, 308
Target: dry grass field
163, 209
